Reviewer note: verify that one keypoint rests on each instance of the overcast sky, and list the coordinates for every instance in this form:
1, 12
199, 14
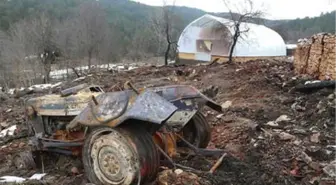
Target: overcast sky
275, 9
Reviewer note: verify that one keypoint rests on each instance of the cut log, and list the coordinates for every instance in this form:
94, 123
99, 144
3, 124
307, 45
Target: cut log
315, 85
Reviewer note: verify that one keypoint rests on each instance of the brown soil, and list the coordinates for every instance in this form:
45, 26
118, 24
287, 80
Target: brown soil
260, 92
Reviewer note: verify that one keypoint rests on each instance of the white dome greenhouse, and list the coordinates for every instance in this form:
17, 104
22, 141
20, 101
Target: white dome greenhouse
210, 37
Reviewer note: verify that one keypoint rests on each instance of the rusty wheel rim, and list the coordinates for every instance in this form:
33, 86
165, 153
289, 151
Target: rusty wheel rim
114, 161
109, 163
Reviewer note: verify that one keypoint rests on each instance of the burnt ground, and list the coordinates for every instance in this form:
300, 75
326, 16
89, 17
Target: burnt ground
295, 149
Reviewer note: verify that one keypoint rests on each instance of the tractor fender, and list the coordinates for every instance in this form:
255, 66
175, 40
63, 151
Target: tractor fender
188, 100
182, 93
112, 109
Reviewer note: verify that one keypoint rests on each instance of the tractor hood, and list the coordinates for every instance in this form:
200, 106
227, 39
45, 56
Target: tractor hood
55, 105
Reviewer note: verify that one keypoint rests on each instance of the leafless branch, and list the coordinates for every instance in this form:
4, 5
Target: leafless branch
247, 13
163, 24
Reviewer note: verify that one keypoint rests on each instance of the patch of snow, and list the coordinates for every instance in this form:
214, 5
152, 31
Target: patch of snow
11, 179
31, 57
41, 86
311, 82
304, 41
56, 84
61, 73
11, 91
37, 176
291, 46
331, 146
79, 79
132, 67
171, 62
8, 131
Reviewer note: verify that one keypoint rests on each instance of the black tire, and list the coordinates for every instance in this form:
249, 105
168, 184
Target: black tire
146, 148
144, 154
197, 131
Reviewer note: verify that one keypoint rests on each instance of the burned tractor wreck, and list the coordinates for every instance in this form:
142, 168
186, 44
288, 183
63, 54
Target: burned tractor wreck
120, 136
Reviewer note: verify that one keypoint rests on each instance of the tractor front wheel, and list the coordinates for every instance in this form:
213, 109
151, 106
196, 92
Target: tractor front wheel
120, 156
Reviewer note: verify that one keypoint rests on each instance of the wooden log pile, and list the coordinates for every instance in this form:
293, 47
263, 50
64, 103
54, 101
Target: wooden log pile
301, 56
316, 56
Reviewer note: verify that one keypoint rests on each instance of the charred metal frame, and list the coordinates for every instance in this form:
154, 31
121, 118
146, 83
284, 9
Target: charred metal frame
173, 106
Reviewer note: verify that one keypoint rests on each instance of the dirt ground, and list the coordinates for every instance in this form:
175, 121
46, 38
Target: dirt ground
272, 133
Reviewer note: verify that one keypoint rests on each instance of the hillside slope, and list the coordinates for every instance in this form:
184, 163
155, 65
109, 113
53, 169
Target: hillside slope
129, 15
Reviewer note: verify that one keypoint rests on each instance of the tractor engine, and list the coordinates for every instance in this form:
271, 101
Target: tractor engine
52, 124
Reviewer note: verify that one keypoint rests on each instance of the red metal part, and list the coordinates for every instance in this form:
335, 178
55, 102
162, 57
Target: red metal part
166, 141
63, 135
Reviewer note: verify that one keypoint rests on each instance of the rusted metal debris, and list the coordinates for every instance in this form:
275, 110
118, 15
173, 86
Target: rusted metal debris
116, 133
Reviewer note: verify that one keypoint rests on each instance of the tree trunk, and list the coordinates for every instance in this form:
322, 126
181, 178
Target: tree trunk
167, 36
235, 39
90, 57
67, 69
232, 48
4, 82
167, 54
47, 69
46, 76
75, 71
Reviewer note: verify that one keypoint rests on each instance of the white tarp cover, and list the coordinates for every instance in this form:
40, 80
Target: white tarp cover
257, 41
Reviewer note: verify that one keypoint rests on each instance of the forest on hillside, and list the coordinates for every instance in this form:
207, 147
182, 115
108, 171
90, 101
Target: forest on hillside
34, 34
292, 30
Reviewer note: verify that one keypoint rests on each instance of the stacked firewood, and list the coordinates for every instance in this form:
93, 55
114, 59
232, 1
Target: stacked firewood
301, 56
316, 56
329, 57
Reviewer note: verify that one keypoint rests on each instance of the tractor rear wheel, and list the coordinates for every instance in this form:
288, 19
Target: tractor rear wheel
120, 156
197, 131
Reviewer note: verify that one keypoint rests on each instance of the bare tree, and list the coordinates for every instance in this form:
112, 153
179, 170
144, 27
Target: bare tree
91, 28
159, 33
65, 41
245, 13
30, 41
164, 27
109, 50
5, 64
40, 35
17, 53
